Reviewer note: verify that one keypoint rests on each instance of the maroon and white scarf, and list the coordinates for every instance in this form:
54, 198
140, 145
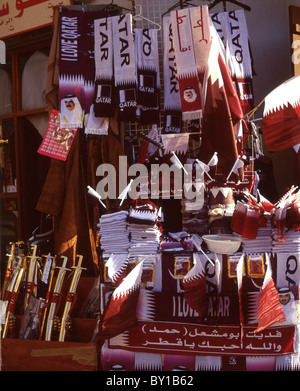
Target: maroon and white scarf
172, 101
124, 67
92, 124
188, 80
104, 69
236, 40
201, 37
147, 61
219, 21
71, 70
89, 56
76, 65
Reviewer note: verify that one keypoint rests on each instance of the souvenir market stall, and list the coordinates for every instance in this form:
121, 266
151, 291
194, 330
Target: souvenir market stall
165, 253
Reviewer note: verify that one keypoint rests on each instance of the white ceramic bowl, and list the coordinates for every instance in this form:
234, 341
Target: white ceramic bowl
222, 244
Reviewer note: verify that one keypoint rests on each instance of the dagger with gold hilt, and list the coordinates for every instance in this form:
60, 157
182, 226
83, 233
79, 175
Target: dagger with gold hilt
48, 294
8, 291
9, 269
31, 283
56, 297
71, 298
14, 295
17, 251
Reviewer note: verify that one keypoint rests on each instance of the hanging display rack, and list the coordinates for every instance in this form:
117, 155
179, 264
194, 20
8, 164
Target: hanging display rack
237, 3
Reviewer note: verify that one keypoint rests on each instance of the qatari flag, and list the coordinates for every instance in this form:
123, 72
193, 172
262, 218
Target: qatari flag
222, 110
281, 116
120, 314
269, 309
194, 286
117, 267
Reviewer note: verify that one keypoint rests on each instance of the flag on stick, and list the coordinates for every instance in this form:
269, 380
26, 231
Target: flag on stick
124, 193
194, 286
120, 314
175, 160
269, 308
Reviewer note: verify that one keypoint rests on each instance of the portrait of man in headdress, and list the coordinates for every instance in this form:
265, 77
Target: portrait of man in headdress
96, 125
288, 303
189, 94
71, 113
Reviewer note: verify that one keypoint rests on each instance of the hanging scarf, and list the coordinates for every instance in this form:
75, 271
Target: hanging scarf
201, 37
146, 49
104, 72
238, 56
124, 67
189, 85
71, 80
92, 124
172, 101
219, 22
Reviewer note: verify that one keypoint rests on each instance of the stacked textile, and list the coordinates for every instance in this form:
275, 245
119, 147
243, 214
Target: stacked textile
289, 243
113, 233
143, 229
263, 241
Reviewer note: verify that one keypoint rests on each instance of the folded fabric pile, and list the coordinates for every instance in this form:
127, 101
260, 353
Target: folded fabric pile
290, 244
263, 241
143, 229
113, 233
195, 215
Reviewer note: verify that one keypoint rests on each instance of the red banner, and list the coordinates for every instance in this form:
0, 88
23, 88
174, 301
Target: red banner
188, 338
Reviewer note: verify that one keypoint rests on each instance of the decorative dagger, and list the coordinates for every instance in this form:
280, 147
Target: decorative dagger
55, 298
30, 283
14, 296
9, 269
48, 294
8, 292
71, 297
